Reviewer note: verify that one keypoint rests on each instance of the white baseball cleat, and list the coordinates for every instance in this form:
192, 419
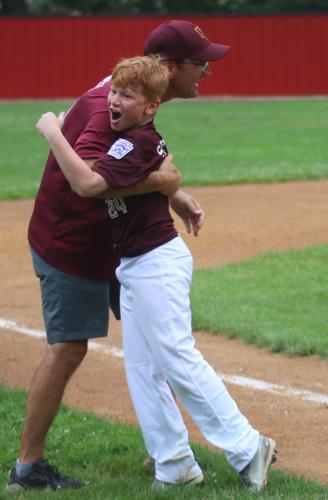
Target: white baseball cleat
198, 480
255, 475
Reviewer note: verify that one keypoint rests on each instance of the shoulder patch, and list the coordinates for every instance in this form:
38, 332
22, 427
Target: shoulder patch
120, 148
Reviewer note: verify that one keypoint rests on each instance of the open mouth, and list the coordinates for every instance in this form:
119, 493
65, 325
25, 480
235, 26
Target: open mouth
115, 115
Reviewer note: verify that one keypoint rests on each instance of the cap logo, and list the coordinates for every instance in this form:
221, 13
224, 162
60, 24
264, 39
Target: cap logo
199, 31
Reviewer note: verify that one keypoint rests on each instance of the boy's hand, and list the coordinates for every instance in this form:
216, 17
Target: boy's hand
170, 177
189, 210
48, 124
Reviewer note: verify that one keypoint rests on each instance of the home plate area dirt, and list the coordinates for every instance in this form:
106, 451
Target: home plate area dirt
241, 222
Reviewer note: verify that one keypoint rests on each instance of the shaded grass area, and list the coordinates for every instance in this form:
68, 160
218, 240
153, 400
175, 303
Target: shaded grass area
109, 456
213, 142
278, 300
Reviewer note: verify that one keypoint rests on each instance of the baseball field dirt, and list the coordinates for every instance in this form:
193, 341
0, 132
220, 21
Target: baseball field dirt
242, 222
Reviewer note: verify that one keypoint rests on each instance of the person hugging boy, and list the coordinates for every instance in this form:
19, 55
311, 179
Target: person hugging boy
155, 273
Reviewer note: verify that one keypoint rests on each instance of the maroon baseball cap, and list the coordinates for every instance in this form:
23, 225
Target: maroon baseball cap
177, 40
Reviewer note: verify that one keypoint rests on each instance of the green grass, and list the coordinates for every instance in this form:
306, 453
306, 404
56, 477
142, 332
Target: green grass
278, 300
223, 142
109, 456
214, 142
23, 150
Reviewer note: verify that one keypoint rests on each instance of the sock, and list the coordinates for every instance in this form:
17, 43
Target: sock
23, 469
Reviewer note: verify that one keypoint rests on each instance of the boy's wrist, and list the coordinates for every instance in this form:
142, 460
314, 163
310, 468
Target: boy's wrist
53, 134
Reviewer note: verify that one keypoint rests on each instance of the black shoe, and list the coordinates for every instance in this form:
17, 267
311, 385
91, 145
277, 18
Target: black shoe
43, 476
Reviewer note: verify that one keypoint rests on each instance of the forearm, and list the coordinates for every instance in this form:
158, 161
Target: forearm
81, 178
152, 183
177, 197
189, 210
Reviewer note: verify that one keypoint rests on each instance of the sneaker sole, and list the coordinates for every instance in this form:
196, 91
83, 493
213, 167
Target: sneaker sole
12, 488
196, 481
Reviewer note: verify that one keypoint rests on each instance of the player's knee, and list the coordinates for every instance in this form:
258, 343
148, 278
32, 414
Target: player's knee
69, 354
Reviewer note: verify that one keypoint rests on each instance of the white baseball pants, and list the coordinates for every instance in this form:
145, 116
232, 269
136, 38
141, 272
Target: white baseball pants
158, 348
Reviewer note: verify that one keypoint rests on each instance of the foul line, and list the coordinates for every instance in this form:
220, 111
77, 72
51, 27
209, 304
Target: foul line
275, 388
93, 346
231, 379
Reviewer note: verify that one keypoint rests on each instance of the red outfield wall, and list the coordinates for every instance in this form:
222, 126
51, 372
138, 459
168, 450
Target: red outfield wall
62, 57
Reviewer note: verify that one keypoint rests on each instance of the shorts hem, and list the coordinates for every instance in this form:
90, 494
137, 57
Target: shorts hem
57, 339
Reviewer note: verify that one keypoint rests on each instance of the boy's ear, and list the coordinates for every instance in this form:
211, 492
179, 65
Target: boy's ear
152, 107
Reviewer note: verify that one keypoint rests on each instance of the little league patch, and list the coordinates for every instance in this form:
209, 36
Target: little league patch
120, 148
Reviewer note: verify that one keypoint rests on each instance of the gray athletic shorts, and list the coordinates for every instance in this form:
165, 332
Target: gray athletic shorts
73, 308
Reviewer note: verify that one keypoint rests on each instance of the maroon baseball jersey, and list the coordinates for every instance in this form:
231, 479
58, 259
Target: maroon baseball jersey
139, 223
72, 233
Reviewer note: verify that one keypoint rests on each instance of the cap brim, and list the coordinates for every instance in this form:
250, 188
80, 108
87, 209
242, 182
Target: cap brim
213, 52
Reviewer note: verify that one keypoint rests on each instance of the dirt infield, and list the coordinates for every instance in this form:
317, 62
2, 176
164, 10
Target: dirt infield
242, 222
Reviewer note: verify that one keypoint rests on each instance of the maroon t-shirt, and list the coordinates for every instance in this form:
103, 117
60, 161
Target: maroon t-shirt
139, 223
72, 233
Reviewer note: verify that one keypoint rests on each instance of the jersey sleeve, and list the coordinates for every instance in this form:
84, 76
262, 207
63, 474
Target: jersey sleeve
127, 163
96, 136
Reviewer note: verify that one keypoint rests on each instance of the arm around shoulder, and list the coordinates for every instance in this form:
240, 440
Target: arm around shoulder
166, 180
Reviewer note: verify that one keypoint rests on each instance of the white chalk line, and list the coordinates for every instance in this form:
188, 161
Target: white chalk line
231, 379
275, 388
93, 346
